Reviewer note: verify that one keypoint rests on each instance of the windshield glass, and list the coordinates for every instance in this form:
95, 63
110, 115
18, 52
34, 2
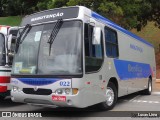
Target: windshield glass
65, 55
2, 50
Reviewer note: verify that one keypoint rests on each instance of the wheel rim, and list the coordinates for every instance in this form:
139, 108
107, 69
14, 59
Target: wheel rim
150, 86
109, 96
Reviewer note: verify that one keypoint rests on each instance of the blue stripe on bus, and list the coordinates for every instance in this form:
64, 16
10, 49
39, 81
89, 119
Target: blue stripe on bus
38, 81
112, 24
131, 70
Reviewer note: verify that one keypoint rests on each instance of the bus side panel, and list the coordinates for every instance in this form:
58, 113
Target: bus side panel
132, 50
139, 57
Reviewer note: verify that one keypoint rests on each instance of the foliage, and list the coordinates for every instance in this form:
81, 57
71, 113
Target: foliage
127, 13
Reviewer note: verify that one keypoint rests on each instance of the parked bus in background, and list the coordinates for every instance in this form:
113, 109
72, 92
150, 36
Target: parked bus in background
5, 59
74, 57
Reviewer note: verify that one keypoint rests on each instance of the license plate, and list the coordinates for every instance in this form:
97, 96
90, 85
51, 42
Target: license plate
59, 98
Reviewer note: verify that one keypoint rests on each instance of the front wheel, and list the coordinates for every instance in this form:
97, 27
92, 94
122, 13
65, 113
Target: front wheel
111, 97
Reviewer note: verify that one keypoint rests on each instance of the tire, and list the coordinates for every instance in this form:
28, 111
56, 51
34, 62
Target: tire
148, 91
112, 94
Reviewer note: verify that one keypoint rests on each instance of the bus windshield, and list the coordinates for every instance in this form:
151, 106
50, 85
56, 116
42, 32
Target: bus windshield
34, 55
2, 50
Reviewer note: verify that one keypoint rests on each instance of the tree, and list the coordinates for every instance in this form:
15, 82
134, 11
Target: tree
136, 13
44, 4
57, 3
17, 7
155, 12
2, 2
127, 13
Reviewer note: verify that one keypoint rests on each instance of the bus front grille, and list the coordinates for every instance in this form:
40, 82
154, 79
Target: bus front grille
39, 91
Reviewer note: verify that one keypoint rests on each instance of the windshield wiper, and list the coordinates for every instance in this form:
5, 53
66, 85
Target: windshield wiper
54, 33
19, 40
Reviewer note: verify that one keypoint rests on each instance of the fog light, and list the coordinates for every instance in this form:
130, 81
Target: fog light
69, 102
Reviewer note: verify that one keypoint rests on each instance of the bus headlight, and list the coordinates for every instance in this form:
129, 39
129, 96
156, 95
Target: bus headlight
59, 91
14, 88
19, 90
66, 91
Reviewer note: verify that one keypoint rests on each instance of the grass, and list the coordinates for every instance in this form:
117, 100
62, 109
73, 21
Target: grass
11, 20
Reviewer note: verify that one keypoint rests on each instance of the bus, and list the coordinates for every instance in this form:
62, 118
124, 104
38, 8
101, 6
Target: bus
74, 57
5, 59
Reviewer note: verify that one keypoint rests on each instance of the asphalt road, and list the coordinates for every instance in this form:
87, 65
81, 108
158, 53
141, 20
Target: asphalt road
134, 102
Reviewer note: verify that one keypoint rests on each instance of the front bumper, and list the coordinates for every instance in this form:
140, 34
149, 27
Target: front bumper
46, 100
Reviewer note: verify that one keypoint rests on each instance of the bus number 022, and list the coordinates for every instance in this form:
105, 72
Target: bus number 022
64, 83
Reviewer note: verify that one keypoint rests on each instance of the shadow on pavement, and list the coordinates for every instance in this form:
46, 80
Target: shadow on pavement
8, 103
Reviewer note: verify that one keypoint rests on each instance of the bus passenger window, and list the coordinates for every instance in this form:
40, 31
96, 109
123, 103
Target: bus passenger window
111, 43
2, 50
93, 53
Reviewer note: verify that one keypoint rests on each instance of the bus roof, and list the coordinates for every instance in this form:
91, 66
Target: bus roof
72, 12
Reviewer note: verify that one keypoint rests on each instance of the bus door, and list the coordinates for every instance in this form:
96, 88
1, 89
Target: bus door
93, 63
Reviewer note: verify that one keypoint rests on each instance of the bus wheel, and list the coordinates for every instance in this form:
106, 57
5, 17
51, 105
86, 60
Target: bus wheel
148, 91
111, 97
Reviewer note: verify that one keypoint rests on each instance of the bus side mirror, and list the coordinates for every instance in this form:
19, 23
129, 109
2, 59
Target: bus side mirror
96, 39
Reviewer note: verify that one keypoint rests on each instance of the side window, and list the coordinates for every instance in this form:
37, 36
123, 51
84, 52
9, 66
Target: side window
2, 50
111, 43
14, 33
13, 46
93, 53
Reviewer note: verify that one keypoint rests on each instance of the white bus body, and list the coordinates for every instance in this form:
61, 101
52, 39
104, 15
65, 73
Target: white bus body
110, 62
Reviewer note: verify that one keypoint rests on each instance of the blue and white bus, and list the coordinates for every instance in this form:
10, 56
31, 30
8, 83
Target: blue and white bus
74, 57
